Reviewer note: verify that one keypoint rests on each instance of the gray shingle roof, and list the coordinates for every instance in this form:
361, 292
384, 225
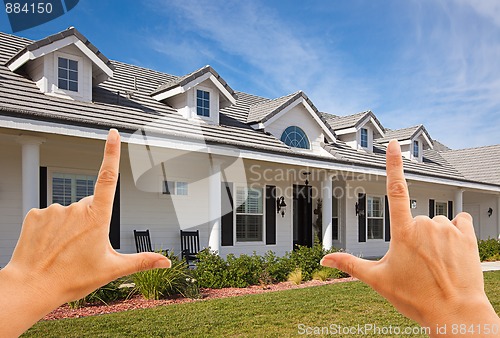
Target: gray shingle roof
403, 134
183, 80
477, 164
59, 36
124, 102
337, 122
433, 163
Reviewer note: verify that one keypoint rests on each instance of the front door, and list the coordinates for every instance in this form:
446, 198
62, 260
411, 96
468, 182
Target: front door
302, 216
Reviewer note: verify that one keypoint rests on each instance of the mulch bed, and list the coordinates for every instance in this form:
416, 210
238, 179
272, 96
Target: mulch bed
138, 302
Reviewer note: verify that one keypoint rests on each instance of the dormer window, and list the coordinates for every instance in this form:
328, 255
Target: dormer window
202, 103
67, 74
364, 138
295, 137
416, 150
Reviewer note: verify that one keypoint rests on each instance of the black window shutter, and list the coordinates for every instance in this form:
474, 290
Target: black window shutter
450, 210
361, 218
43, 187
270, 214
227, 219
114, 227
432, 208
387, 221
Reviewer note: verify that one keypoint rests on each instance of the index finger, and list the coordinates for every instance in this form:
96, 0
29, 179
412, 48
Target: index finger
104, 192
397, 189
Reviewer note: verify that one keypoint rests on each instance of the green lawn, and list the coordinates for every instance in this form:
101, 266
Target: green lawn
277, 314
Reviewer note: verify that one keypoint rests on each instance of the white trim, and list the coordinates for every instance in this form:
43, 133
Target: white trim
55, 46
382, 199
182, 89
309, 109
62, 170
55, 90
446, 205
263, 197
190, 145
346, 131
424, 136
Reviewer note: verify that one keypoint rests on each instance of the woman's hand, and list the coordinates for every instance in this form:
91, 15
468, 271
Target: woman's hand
432, 272
64, 253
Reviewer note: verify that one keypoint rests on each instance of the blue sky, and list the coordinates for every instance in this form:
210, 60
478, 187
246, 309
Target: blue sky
428, 62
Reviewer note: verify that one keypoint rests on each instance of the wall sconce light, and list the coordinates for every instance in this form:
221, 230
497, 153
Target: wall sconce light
490, 212
306, 174
413, 204
281, 206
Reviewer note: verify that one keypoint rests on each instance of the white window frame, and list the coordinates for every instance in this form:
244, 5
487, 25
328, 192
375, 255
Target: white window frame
235, 214
175, 182
436, 208
361, 138
56, 89
415, 143
69, 171
382, 203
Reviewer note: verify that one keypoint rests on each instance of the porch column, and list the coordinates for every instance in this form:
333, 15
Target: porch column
326, 188
459, 201
30, 172
214, 205
498, 215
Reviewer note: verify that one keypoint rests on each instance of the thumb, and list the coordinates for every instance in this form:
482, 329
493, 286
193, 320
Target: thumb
132, 263
354, 266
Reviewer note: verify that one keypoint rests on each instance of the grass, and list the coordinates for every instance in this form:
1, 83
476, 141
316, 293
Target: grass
275, 314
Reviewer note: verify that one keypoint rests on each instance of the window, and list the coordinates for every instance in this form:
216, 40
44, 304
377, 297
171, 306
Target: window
364, 137
202, 103
416, 150
67, 74
441, 209
335, 219
249, 215
70, 188
295, 137
175, 188
375, 217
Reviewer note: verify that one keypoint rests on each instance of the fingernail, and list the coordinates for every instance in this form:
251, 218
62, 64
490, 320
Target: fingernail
393, 147
113, 136
162, 263
327, 262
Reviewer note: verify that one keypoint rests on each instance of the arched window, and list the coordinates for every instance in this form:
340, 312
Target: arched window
295, 137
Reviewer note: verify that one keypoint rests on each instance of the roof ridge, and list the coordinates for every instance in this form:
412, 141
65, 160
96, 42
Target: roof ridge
276, 99
472, 148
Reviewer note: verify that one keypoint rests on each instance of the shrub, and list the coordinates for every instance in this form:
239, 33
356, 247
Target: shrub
191, 289
321, 275
160, 283
243, 270
307, 259
211, 270
488, 249
105, 294
275, 269
295, 276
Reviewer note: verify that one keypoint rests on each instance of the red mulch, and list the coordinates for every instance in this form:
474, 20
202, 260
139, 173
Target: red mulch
138, 302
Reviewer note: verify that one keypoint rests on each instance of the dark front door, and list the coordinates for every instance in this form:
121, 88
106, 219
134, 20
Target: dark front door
302, 216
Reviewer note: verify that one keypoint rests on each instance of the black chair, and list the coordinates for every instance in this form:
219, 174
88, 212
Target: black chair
190, 245
142, 241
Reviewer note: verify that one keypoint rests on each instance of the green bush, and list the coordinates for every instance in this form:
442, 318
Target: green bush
275, 269
489, 249
160, 283
244, 270
307, 259
211, 270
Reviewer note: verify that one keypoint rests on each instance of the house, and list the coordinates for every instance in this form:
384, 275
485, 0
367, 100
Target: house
251, 173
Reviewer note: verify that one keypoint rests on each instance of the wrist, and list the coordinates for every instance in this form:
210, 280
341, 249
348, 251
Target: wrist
473, 316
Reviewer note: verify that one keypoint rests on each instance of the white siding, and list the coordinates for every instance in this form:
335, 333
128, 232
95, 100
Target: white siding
10, 198
477, 205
